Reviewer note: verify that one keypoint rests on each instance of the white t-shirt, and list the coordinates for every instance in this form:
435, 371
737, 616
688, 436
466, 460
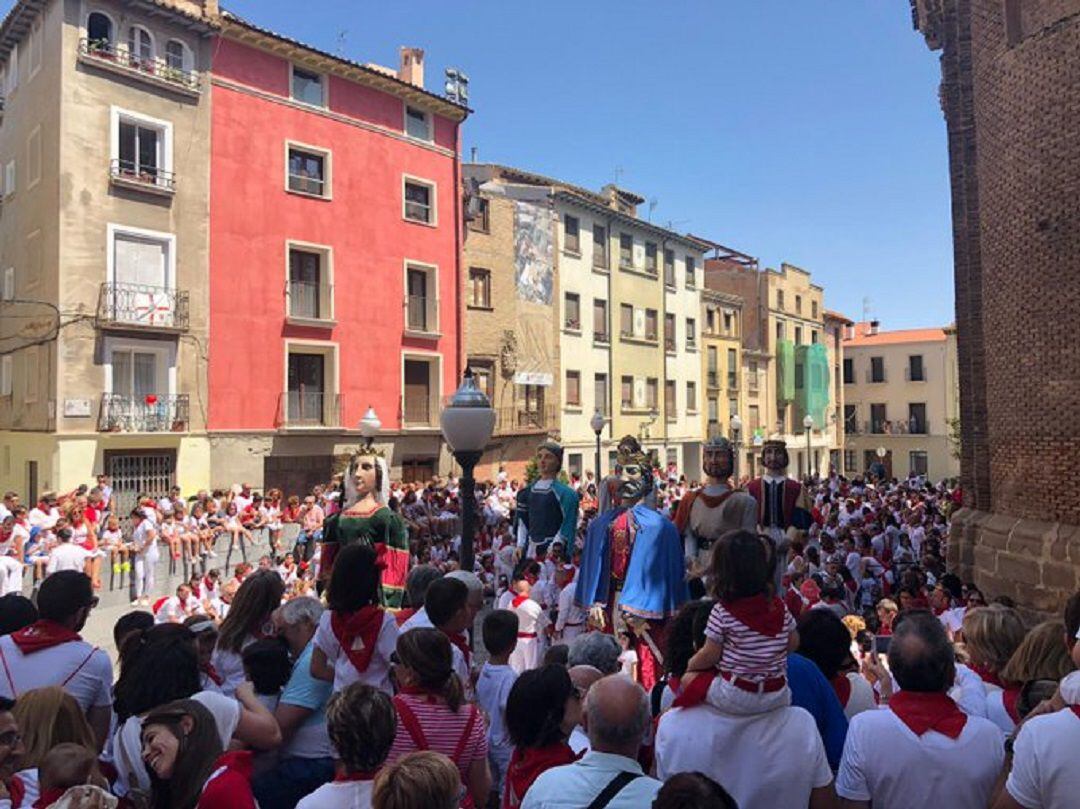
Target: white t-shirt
627, 660
83, 670
340, 795
67, 556
774, 759
492, 690
1044, 772
862, 696
886, 763
377, 673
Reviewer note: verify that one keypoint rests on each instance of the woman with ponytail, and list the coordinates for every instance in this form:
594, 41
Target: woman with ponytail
432, 714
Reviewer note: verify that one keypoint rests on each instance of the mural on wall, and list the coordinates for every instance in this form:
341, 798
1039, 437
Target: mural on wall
534, 269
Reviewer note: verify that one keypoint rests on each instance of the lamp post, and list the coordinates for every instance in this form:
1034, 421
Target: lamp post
369, 427
467, 424
597, 424
808, 423
736, 429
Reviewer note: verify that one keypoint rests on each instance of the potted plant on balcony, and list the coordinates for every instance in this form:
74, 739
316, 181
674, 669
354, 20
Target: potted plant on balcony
101, 48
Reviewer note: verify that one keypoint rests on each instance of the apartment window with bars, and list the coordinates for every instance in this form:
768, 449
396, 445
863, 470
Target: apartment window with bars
479, 288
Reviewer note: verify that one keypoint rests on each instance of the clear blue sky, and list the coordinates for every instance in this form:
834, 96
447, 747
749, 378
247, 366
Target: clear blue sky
805, 131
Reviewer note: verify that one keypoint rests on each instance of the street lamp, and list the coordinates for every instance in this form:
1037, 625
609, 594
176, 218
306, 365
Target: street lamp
369, 427
597, 424
736, 429
808, 423
467, 424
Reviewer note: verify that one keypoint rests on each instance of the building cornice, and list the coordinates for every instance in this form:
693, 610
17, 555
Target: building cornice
715, 296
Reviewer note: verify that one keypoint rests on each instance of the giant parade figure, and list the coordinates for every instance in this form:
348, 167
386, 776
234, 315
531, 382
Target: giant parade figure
704, 515
546, 509
782, 503
365, 517
632, 572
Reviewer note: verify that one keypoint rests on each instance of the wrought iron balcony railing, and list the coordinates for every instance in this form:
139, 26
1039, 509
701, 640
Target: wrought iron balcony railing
140, 306
416, 411
138, 175
148, 413
309, 408
117, 58
525, 418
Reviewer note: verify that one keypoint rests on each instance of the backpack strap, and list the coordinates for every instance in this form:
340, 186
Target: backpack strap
614, 787
79, 667
465, 734
412, 724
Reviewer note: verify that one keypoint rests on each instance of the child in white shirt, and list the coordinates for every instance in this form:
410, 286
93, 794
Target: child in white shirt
493, 686
532, 620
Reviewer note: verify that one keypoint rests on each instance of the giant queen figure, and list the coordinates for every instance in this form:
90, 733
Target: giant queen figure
782, 503
632, 571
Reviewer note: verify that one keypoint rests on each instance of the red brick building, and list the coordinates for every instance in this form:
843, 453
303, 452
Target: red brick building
1011, 98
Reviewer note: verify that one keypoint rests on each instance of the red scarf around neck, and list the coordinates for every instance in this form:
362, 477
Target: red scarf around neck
526, 765
358, 632
987, 676
211, 672
842, 686
923, 712
462, 642
760, 613
519, 600
1010, 695
43, 634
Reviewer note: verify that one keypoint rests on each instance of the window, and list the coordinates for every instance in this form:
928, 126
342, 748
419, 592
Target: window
798, 335
813, 336
813, 310
140, 45
422, 303
534, 404
691, 333
670, 410
11, 72
141, 149
33, 158
877, 369
851, 419
9, 178
650, 324
652, 393
484, 377
572, 393
691, 397
572, 311
600, 321
626, 396
916, 372
691, 271
650, 257
599, 247
917, 418
571, 234
798, 304
144, 263
176, 55
417, 123
917, 461
307, 87
712, 363
849, 371
309, 399
849, 461
417, 410
799, 378
626, 250
753, 414
877, 418
780, 333
309, 171
310, 293
481, 221
626, 320
573, 464
479, 288
600, 393
669, 332
781, 417
732, 368
5, 375
137, 371
669, 268
99, 29
728, 322
710, 321
780, 299
420, 202
8, 291
714, 410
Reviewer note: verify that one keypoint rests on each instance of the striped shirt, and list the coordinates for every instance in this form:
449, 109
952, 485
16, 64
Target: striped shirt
443, 729
748, 653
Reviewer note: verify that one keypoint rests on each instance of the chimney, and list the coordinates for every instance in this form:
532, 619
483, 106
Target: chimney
874, 327
412, 66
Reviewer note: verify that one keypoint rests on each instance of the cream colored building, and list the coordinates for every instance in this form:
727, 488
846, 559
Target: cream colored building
104, 145
900, 396
722, 362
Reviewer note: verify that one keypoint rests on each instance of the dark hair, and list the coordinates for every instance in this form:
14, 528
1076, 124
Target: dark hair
16, 612
740, 565
134, 621
267, 665
196, 757
559, 655
6, 705
427, 652
355, 580
681, 638
418, 581
362, 722
1072, 618
952, 585
63, 594
693, 790
499, 631
157, 665
536, 704
921, 658
525, 568
445, 597
825, 640
259, 595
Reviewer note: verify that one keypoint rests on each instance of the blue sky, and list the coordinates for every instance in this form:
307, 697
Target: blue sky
805, 131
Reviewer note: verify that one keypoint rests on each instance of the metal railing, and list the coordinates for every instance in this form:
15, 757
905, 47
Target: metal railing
142, 306
148, 413
525, 418
572, 323
421, 313
887, 427
416, 412
713, 379
306, 300
306, 184
309, 408
107, 52
732, 381
601, 337
141, 174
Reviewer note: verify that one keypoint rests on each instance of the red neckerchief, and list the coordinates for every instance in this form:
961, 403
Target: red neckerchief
928, 711
694, 693
1010, 695
842, 686
16, 790
462, 642
357, 632
211, 672
518, 601
527, 765
43, 634
404, 614
1075, 709
359, 775
760, 613
987, 676
47, 797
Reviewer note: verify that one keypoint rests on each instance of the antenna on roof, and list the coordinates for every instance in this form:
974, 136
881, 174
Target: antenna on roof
865, 308
341, 37
618, 174
652, 204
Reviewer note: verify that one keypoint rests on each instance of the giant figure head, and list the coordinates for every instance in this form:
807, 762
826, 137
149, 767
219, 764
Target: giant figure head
718, 458
634, 466
549, 457
367, 474
774, 456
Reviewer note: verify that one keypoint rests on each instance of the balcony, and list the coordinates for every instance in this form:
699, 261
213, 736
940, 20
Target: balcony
669, 345
572, 324
525, 418
118, 59
149, 413
127, 174
309, 304
416, 412
910, 427
308, 408
732, 382
421, 316
139, 307
601, 337
713, 379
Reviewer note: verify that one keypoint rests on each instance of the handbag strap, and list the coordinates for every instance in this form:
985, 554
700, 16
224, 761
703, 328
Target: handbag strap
614, 787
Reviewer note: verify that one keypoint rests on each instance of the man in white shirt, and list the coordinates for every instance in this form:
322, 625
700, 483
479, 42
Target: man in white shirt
50, 651
571, 619
923, 750
66, 555
45, 513
1044, 772
616, 717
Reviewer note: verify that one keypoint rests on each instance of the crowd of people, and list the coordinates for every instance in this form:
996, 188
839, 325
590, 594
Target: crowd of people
870, 676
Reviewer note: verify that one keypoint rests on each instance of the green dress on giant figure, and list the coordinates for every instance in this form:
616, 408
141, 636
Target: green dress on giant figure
383, 530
